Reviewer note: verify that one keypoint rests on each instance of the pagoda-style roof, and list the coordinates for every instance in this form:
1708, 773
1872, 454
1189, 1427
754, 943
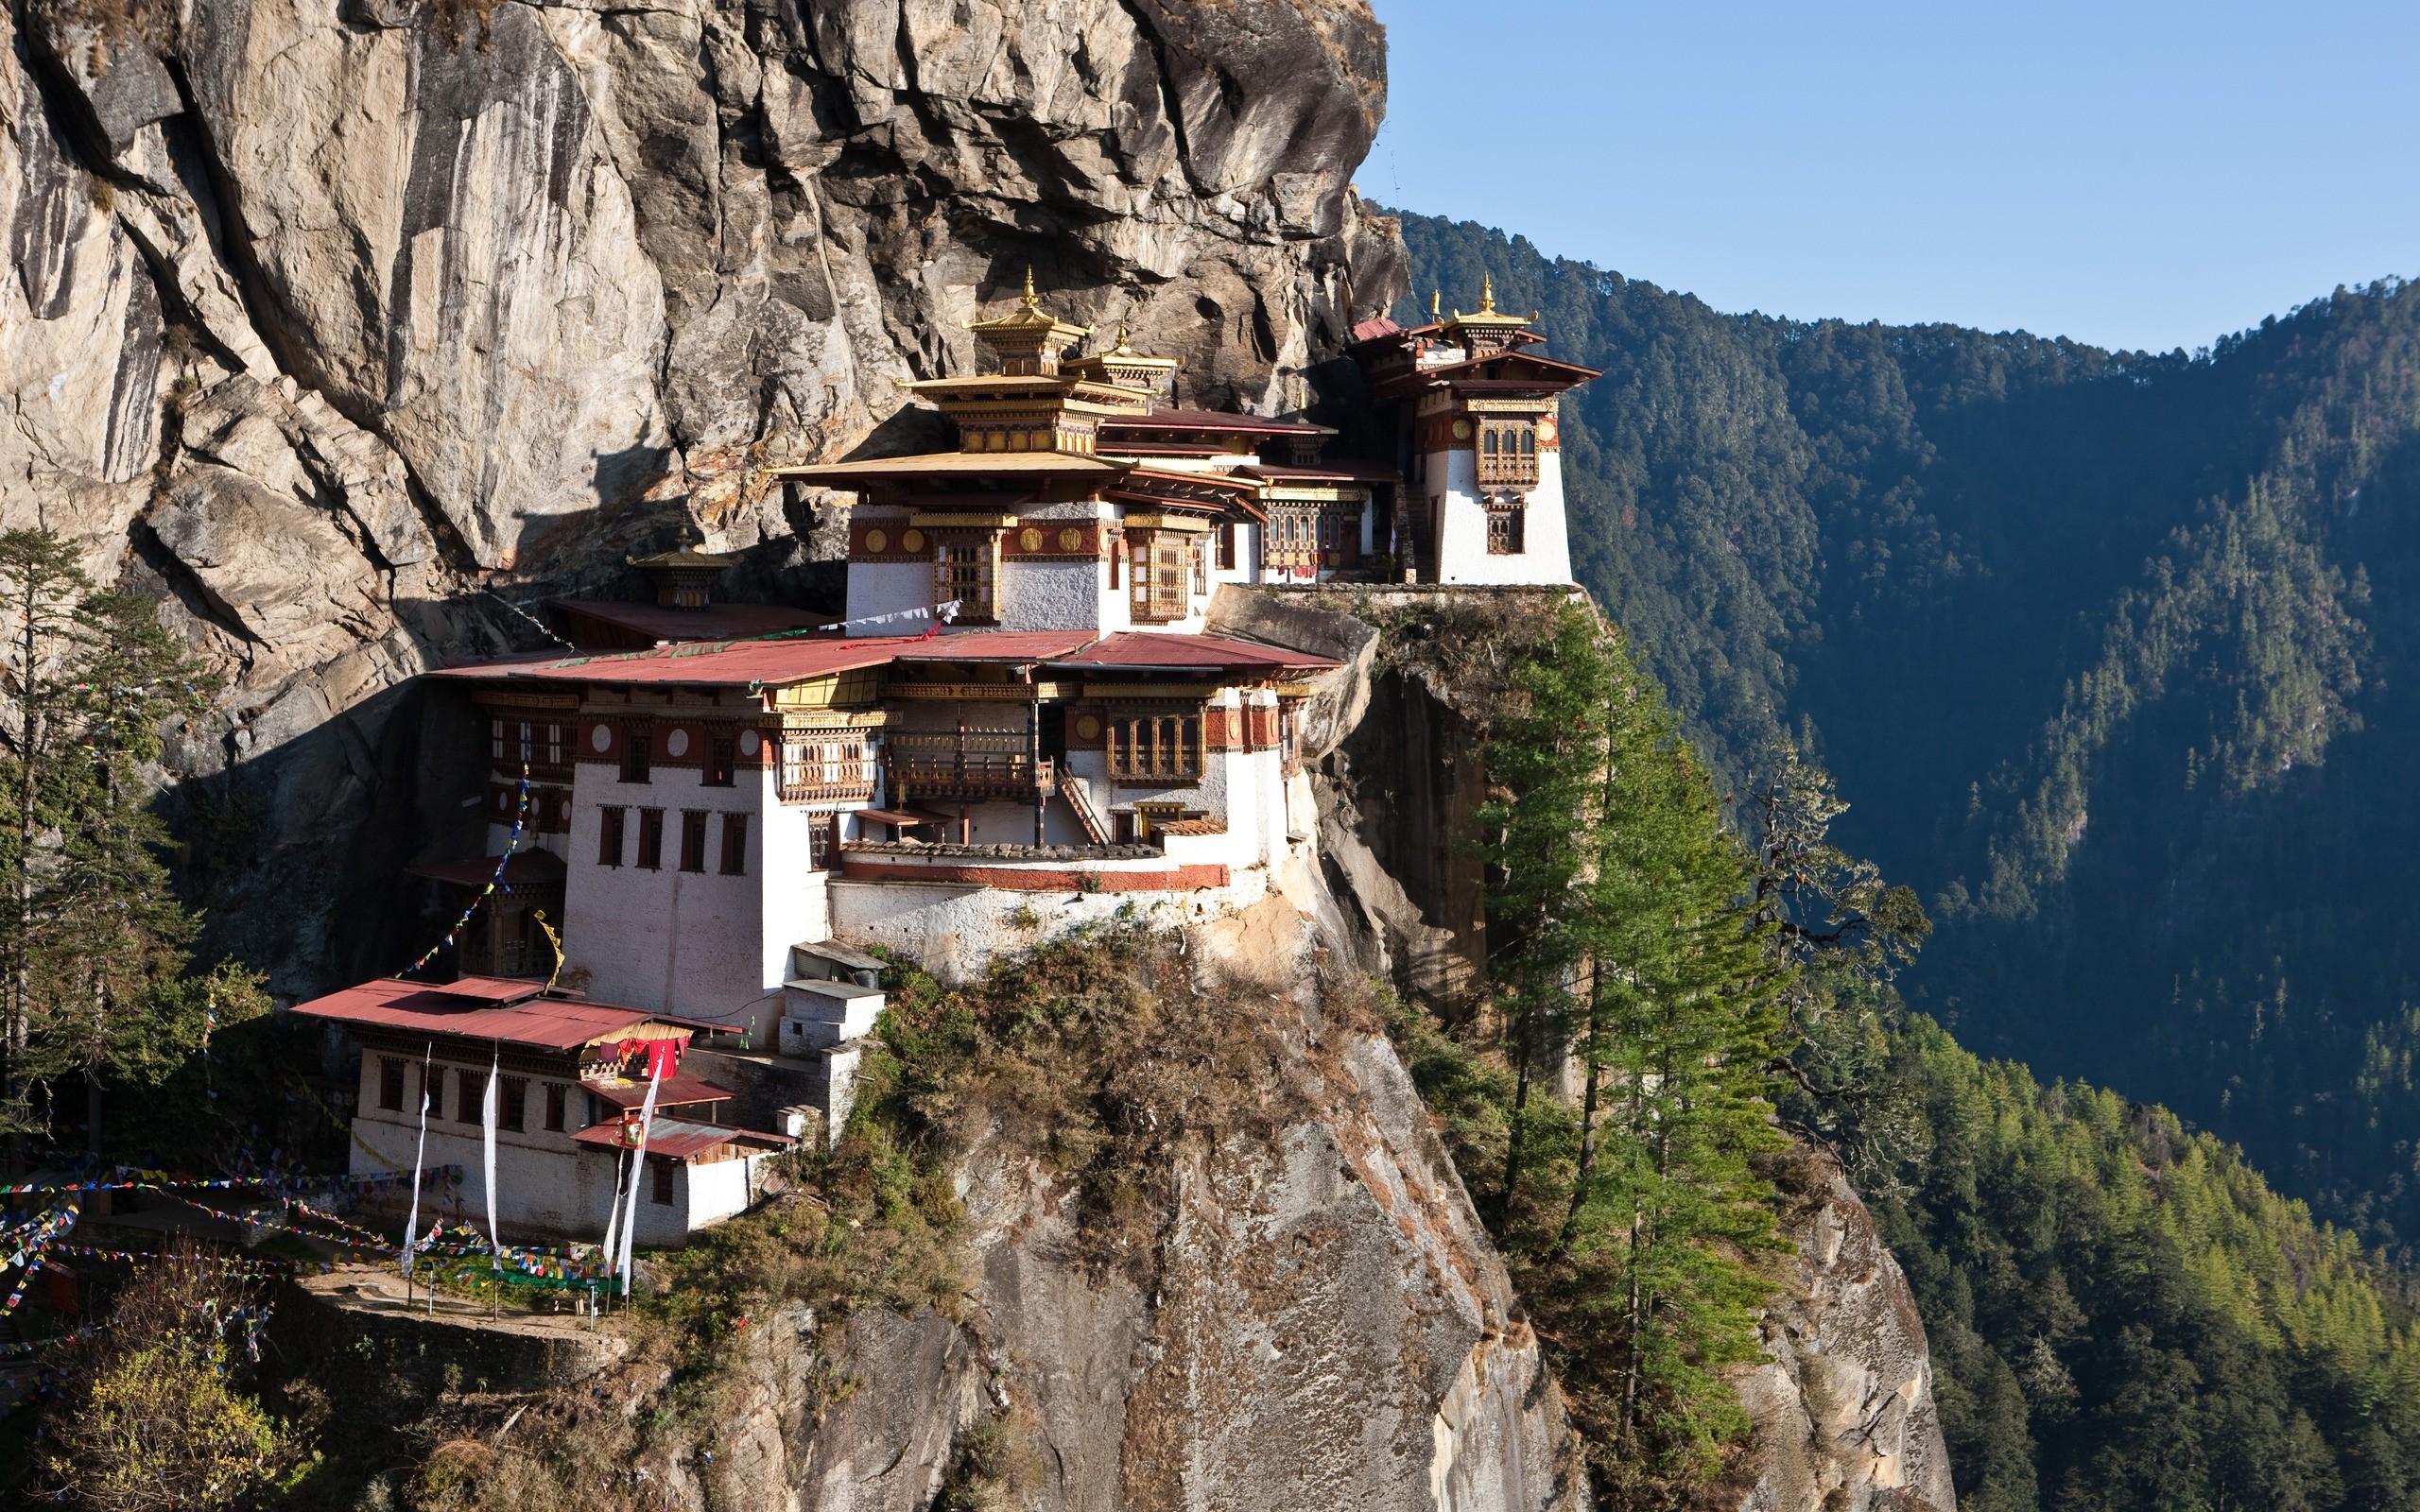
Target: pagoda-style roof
1028, 338
1525, 369
685, 556
1125, 367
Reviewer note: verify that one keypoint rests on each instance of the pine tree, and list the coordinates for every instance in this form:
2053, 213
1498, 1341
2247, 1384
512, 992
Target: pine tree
96, 943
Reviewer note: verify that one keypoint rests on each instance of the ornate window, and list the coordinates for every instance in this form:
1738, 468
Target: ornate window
966, 567
1505, 533
819, 767
638, 746
1162, 576
1155, 747
1508, 454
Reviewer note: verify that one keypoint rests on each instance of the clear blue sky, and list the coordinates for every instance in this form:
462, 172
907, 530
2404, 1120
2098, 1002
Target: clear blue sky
2129, 173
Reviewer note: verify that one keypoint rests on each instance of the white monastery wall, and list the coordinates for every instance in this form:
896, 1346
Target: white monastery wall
883, 587
666, 940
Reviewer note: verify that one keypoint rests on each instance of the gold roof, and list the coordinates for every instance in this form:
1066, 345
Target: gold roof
1487, 316
1029, 324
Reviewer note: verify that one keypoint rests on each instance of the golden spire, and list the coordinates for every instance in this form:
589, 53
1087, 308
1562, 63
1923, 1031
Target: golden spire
1435, 296
1029, 301
1122, 335
1486, 293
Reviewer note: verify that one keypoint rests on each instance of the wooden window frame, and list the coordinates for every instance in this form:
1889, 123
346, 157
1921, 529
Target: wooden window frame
469, 1086
1506, 530
693, 839
512, 1105
390, 1083
638, 751
826, 766
557, 1098
650, 856
660, 1180
1160, 748
722, 762
613, 824
977, 555
734, 845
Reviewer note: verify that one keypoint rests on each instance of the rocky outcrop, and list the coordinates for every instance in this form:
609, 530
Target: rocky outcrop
1845, 1420
325, 318
1842, 1403
1320, 1321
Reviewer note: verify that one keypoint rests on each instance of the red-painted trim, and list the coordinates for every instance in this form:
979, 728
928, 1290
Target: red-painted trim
1019, 879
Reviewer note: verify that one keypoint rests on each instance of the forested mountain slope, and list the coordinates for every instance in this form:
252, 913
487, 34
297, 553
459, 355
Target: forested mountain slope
2109, 650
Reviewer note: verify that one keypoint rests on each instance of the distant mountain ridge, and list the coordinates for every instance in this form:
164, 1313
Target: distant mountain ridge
2104, 646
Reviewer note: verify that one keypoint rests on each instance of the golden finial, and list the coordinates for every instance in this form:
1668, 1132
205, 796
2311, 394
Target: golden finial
1486, 293
1435, 297
1029, 301
1121, 335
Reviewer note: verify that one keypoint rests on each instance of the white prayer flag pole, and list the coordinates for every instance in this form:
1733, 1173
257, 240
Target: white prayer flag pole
638, 1165
486, 1117
420, 1159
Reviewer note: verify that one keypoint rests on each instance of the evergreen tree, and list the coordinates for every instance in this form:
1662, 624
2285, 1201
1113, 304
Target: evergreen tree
97, 943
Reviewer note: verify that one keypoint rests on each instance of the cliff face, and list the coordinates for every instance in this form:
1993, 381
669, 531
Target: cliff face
326, 315
1842, 1403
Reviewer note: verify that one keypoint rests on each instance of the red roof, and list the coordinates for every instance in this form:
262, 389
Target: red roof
678, 1139
1209, 419
678, 1090
995, 645
1373, 329
703, 663
1144, 649
483, 1007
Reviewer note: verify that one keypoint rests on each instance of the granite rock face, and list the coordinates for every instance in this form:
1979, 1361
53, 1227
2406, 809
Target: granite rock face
1319, 1320
326, 319
1845, 1420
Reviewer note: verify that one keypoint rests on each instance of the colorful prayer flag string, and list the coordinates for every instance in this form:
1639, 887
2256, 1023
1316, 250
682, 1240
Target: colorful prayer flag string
520, 821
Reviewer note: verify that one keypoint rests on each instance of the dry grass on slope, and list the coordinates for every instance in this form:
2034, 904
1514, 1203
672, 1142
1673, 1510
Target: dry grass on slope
1097, 1058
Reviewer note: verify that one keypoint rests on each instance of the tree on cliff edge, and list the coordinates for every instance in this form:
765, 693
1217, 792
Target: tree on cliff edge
94, 940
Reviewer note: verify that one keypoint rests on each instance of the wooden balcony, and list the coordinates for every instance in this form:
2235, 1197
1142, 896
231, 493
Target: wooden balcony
965, 765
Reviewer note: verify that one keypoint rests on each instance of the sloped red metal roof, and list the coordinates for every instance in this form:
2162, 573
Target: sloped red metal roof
701, 664
1153, 649
678, 1139
995, 645
1209, 419
678, 1089
503, 1009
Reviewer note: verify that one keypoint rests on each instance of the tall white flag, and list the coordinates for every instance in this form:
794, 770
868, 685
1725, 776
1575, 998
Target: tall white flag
420, 1160
486, 1117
